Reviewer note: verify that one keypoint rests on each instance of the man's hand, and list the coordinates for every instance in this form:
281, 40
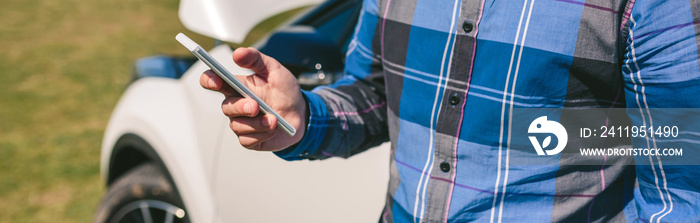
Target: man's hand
275, 85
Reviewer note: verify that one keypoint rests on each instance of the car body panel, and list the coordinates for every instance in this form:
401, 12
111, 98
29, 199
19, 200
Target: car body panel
254, 186
231, 20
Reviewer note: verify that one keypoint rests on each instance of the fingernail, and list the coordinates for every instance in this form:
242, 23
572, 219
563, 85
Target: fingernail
266, 122
211, 83
247, 108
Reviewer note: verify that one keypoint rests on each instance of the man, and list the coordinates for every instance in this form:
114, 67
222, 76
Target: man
442, 79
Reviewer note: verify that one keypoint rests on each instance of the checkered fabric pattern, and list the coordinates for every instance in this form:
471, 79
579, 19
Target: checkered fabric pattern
439, 78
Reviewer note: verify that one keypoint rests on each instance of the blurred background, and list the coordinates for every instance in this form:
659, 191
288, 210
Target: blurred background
64, 64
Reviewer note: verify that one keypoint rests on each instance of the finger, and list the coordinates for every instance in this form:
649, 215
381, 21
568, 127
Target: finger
239, 106
247, 125
211, 81
254, 140
253, 59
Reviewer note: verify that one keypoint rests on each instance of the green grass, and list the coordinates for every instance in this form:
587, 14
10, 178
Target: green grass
64, 64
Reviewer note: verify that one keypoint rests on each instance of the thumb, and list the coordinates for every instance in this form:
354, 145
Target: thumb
253, 59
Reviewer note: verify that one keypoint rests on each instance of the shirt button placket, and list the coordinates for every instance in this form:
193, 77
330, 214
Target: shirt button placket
454, 100
445, 166
467, 26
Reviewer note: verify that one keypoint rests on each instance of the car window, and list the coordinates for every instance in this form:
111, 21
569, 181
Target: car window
335, 27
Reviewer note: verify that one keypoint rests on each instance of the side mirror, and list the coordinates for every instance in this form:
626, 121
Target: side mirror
312, 57
162, 66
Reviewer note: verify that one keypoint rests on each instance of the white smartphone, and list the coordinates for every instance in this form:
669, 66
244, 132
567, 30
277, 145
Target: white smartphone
203, 56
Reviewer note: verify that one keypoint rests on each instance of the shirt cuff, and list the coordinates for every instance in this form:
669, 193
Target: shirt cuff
315, 130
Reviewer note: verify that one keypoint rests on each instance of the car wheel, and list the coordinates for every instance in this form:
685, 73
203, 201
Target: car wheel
143, 194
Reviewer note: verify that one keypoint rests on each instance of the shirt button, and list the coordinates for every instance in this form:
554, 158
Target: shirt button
445, 166
467, 26
454, 100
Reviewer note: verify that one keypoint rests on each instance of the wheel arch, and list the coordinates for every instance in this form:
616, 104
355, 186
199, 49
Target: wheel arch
128, 152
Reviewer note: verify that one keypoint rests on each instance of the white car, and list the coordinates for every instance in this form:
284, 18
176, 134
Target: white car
168, 154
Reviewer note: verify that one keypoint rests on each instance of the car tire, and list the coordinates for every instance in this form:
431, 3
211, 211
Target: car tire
143, 194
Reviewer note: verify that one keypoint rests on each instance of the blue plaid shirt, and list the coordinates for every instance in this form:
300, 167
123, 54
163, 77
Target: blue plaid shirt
438, 78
